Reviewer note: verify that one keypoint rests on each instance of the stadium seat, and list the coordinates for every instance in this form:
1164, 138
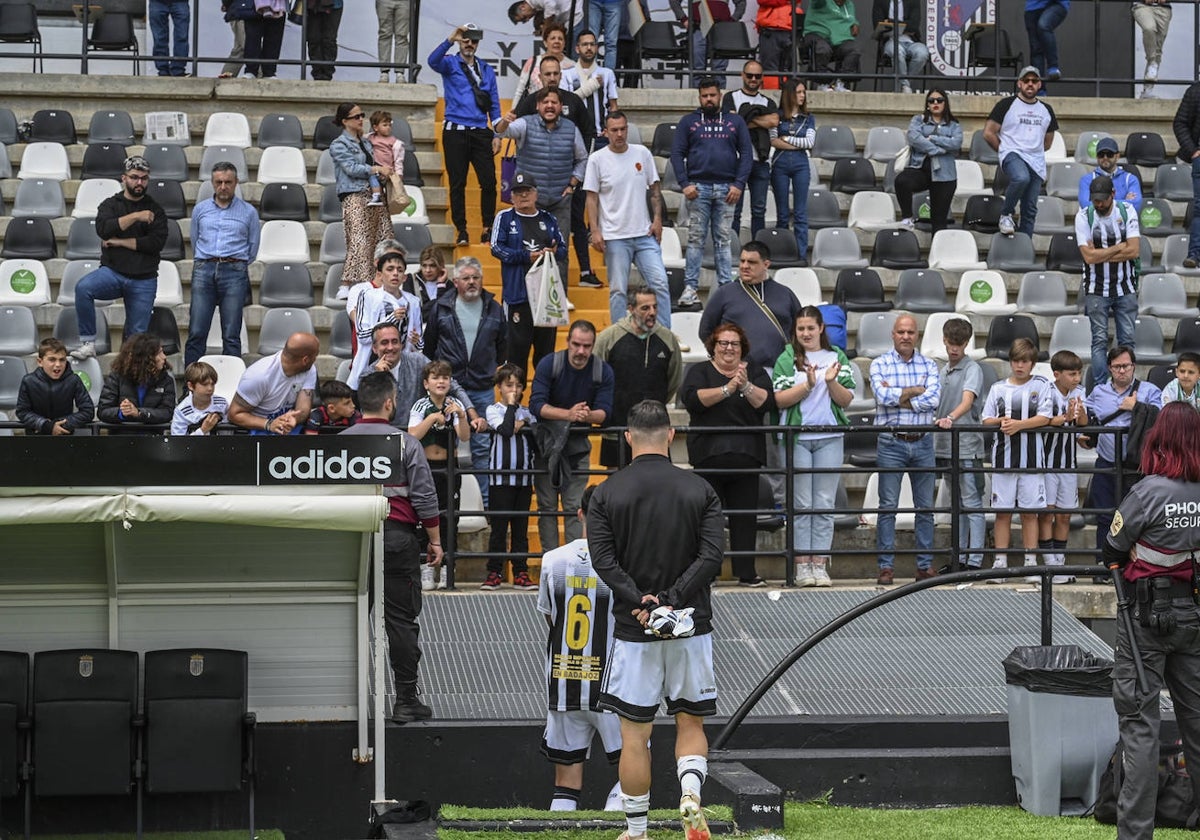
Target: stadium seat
333, 244
5, 164
333, 281
1173, 182
954, 250
1005, 329
1156, 218
18, 331
282, 241
1050, 217
93, 379
286, 284
72, 273
853, 175
922, 290
1044, 293
1063, 254
90, 194
836, 248
19, 25
981, 152
326, 131
278, 324
414, 238
223, 154
933, 347
1145, 148
325, 172
904, 521
114, 32
470, 499
884, 142
169, 195
29, 239
863, 401
8, 127
982, 213
39, 198
106, 160
416, 213
686, 326
1085, 146
45, 160
1074, 333
412, 169
331, 205
214, 343
1148, 338
897, 248
664, 136
283, 201
1160, 375
1187, 336
83, 242
23, 283
230, 370
110, 127
66, 330
1164, 296
168, 162
982, 292
164, 326
782, 244
226, 128
1057, 153
803, 282
173, 250
53, 126
1175, 250
970, 179
874, 335
12, 371
921, 212
341, 337
834, 142
872, 210
823, 210
281, 130
860, 290
1012, 253
169, 291
1062, 180
282, 164
343, 370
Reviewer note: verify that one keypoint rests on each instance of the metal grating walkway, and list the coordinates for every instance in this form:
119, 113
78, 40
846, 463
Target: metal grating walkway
934, 653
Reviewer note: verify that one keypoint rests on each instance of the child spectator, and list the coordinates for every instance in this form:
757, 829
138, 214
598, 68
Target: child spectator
53, 400
959, 402
1183, 387
438, 421
383, 301
430, 280
139, 391
511, 487
1066, 404
336, 411
1016, 405
387, 150
201, 410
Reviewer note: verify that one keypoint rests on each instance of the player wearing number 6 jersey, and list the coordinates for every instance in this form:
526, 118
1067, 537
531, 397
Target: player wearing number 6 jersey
578, 608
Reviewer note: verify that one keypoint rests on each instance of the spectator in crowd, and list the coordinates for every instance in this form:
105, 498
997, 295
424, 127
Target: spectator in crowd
712, 156
264, 37
274, 395
412, 508
1021, 128
551, 151
1153, 17
645, 358
225, 234
1042, 17
472, 100
353, 165
907, 391
1015, 407
934, 141
467, 329
406, 368
756, 303
618, 180
323, 18
510, 485
702, 58
1126, 185
1183, 387
779, 24
1109, 241
140, 390
132, 227
430, 280
790, 171
604, 20
520, 236
830, 27
53, 400
813, 383
387, 149
907, 18
233, 64
571, 389
170, 59
960, 400
336, 411
1066, 402
566, 13
386, 303
199, 412
395, 19
730, 391
554, 45
1186, 126
760, 114
596, 85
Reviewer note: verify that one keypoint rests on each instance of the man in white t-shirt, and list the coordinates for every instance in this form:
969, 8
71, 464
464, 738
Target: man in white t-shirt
1021, 128
274, 396
594, 83
618, 179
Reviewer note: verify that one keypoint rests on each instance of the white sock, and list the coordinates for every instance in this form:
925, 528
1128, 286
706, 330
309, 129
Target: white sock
565, 799
636, 808
692, 771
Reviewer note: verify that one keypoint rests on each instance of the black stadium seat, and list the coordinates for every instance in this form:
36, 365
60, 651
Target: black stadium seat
895, 248
283, 201
1005, 329
105, 160
30, 239
860, 290
53, 126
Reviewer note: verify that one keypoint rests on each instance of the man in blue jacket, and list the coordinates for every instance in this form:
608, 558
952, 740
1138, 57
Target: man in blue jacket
1126, 185
712, 157
469, 88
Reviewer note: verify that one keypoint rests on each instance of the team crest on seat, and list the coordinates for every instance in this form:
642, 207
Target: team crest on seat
86, 665
196, 664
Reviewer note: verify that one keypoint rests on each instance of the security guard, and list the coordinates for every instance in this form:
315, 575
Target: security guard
1154, 537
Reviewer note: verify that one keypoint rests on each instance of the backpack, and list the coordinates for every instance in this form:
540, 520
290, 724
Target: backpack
1091, 217
1175, 807
560, 361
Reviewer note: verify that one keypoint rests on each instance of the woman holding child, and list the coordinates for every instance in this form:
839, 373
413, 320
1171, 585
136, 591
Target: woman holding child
364, 217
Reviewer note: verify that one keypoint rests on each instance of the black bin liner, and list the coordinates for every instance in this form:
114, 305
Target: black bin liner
1059, 669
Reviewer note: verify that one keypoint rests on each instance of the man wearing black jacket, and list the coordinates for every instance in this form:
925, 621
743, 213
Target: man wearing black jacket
655, 533
1187, 132
761, 115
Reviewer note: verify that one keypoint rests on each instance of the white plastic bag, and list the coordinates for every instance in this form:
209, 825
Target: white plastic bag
547, 298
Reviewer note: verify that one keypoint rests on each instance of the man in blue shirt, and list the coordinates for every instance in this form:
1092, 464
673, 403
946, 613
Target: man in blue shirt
225, 239
1126, 186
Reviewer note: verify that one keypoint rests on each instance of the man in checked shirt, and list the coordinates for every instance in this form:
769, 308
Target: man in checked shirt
907, 390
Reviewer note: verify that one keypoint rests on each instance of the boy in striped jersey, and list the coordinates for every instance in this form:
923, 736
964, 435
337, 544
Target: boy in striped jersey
201, 410
1066, 403
510, 488
1017, 405
578, 607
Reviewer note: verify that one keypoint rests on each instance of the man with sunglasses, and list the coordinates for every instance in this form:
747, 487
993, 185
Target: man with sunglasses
1126, 185
1021, 128
761, 115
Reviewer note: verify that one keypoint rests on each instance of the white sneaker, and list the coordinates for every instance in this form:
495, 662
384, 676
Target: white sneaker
1007, 227
804, 575
84, 351
998, 564
1151, 74
1032, 578
689, 297
1148, 92
383, 78
1059, 580
907, 223
376, 201
570, 305
840, 87
905, 87
427, 574
695, 826
821, 574
441, 577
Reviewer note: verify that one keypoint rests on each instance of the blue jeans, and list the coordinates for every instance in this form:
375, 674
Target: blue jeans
1043, 46
1194, 232
791, 173
972, 527
645, 251
162, 11
757, 185
700, 58
1023, 186
604, 19
216, 284
1098, 309
913, 56
481, 442
812, 533
709, 211
106, 284
892, 452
